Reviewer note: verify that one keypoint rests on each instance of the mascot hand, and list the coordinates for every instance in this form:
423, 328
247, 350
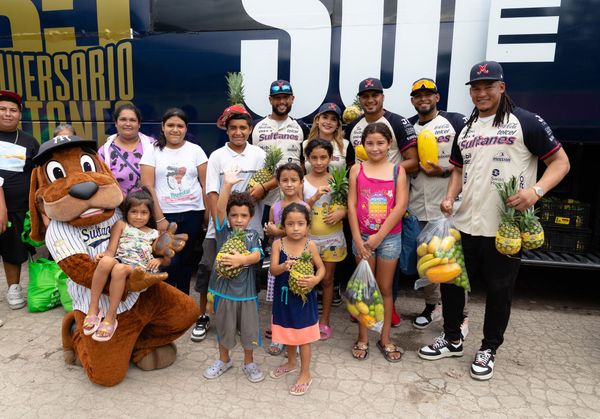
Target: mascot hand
169, 243
139, 279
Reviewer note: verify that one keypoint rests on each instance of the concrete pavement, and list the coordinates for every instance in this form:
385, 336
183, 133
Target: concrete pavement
549, 366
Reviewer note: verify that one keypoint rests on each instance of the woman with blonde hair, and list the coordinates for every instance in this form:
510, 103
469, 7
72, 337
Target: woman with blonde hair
327, 125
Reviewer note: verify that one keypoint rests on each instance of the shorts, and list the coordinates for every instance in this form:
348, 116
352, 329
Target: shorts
332, 248
232, 316
12, 249
209, 254
388, 249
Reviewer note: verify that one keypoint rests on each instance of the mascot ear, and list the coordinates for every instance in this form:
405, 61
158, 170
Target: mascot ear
38, 229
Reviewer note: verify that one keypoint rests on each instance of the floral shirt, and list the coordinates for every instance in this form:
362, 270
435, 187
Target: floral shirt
128, 180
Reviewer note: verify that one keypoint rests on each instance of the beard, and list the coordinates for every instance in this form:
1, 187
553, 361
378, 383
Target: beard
279, 113
425, 110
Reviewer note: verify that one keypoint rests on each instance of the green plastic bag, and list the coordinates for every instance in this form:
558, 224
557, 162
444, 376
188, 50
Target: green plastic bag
65, 297
42, 292
26, 230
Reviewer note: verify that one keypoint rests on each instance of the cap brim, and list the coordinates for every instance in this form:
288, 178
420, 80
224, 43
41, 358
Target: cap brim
420, 90
369, 90
483, 78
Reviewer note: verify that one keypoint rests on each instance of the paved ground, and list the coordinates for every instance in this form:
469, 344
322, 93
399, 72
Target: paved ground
548, 367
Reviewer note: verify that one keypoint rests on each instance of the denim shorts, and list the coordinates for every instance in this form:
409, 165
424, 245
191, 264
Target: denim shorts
388, 249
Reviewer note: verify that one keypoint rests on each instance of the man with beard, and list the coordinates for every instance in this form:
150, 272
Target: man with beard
17, 149
404, 144
279, 130
429, 185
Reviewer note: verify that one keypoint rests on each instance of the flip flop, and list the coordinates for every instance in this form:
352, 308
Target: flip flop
325, 331
389, 349
268, 334
300, 389
361, 346
281, 371
105, 327
93, 321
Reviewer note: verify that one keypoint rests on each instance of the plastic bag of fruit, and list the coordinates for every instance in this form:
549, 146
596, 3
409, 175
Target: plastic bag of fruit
363, 298
440, 257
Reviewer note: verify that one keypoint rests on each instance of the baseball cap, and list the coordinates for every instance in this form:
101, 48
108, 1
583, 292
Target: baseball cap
62, 141
11, 97
486, 70
280, 87
423, 84
228, 113
330, 107
370, 84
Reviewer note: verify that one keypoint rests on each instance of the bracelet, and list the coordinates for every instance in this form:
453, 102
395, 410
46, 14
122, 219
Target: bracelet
161, 219
263, 186
446, 173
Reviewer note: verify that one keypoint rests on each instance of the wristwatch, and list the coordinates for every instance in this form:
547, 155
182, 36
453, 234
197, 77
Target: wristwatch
446, 172
538, 191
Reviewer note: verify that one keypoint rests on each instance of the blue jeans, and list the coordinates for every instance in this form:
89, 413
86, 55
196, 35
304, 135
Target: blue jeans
182, 265
388, 249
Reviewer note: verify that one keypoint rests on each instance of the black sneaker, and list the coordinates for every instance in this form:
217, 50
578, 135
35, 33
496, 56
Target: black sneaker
482, 367
441, 348
337, 297
432, 313
201, 328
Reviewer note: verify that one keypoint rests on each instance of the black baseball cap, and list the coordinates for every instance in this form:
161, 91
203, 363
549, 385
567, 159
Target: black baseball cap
486, 70
62, 141
330, 107
423, 84
370, 84
279, 87
11, 97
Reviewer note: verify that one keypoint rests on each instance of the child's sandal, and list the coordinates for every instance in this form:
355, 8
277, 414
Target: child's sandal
91, 323
106, 328
361, 346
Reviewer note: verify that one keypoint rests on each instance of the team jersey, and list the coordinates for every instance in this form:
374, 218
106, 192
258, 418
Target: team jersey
287, 135
64, 240
489, 155
427, 192
403, 134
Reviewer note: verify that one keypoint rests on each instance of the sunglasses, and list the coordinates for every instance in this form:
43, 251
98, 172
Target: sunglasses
282, 88
424, 84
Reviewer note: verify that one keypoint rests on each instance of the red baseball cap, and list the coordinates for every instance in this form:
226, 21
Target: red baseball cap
11, 97
228, 112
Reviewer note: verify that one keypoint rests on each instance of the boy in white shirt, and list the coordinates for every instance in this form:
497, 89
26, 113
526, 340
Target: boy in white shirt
236, 153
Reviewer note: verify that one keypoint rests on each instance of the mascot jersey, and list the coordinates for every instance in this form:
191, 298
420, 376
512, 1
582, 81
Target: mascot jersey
64, 240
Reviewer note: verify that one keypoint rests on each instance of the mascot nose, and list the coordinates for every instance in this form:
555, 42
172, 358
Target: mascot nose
83, 190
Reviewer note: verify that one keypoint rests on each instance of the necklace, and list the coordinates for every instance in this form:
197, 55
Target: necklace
16, 137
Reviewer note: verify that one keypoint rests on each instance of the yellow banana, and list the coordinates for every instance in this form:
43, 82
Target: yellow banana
447, 243
427, 265
424, 259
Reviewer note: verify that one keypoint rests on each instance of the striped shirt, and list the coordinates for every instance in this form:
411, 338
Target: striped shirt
64, 240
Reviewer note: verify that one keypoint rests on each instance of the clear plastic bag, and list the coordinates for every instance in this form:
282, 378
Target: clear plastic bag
440, 257
363, 298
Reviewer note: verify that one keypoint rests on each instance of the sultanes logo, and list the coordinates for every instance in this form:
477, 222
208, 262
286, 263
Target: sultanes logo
483, 69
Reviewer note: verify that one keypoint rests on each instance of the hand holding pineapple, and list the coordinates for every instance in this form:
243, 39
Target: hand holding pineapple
233, 260
523, 199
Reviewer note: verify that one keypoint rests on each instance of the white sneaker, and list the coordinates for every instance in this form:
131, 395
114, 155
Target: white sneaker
15, 297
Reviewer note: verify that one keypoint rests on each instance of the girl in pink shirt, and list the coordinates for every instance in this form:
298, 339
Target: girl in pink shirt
377, 200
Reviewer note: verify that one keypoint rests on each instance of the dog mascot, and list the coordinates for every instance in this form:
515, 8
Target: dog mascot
78, 193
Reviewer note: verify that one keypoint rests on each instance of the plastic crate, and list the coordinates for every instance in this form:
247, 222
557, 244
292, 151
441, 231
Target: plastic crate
565, 239
563, 212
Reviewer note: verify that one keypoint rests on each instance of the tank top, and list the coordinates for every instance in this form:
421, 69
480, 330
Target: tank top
319, 211
375, 200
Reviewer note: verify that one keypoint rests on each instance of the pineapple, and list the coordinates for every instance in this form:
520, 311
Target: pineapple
352, 112
339, 187
235, 243
302, 267
508, 236
266, 173
532, 232
235, 86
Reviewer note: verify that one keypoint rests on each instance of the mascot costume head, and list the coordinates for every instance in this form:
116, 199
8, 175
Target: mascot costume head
73, 202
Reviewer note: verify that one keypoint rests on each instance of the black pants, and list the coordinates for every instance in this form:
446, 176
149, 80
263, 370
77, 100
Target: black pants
498, 273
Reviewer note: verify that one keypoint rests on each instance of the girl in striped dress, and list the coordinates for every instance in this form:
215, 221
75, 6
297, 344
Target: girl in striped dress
130, 246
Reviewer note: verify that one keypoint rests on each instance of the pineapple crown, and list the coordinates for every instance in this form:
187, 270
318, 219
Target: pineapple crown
274, 155
506, 189
339, 185
235, 88
305, 257
238, 233
356, 103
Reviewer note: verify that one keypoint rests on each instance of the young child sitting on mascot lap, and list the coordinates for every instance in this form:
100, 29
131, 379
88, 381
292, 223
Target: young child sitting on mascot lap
130, 245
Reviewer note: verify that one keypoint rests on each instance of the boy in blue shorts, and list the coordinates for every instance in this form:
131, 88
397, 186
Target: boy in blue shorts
236, 300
